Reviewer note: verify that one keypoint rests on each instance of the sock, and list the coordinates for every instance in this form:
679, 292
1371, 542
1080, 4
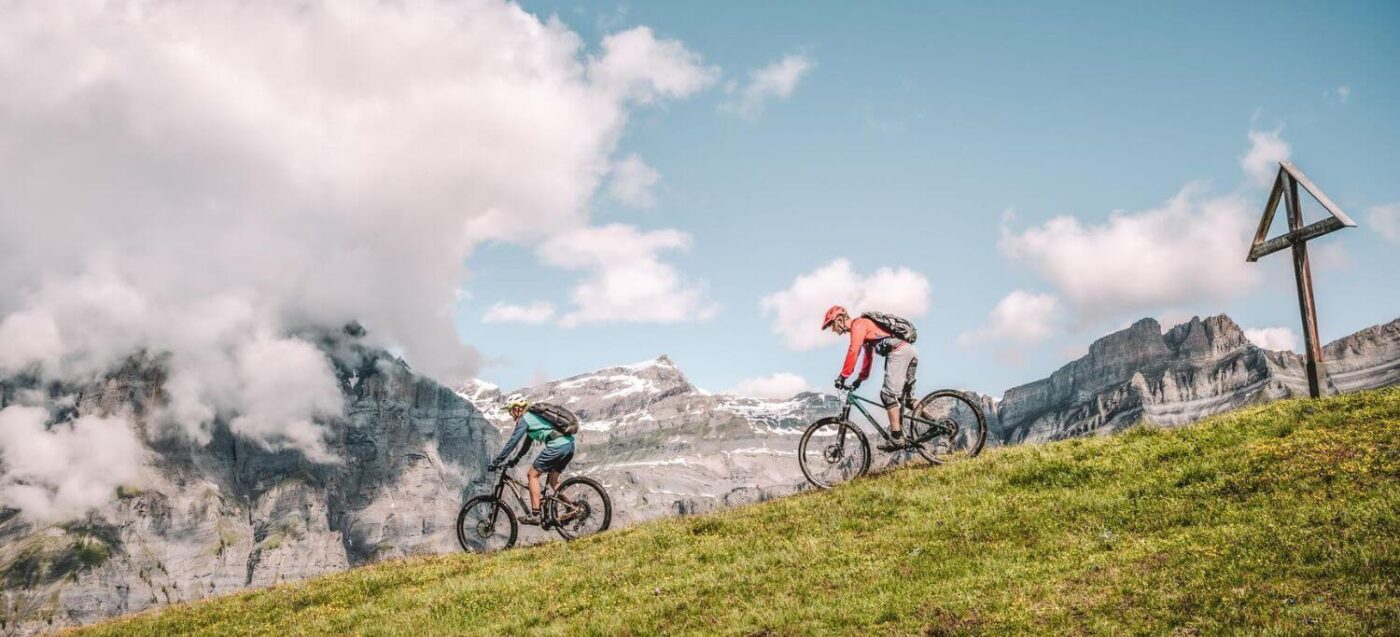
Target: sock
897, 434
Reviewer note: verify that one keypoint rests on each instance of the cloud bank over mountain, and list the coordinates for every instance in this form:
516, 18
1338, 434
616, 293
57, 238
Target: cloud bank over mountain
204, 179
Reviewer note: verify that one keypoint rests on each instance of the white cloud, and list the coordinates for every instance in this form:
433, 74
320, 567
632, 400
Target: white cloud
1341, 93
779, 385
775, 81
319, 167
797, 311
534, 313
627, 281
1190, 249
1275, 338
285, 384
639, 67
60, 472
1022, 317
632, 182
1386, 220
205, 178
1266, 150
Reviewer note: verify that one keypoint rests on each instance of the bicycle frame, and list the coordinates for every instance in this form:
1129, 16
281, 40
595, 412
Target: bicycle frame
854, 400
516, 486
547, 497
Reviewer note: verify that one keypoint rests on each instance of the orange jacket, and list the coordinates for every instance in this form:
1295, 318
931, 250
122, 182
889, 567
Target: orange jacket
864, 334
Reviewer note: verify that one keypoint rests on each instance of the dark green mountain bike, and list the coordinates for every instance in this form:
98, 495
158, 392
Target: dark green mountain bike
579, 507
946, 425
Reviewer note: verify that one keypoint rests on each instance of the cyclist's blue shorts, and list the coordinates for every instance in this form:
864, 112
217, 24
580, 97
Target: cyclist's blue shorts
554, 458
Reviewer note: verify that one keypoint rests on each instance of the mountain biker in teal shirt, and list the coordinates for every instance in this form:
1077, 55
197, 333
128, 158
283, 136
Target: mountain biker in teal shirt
558, 451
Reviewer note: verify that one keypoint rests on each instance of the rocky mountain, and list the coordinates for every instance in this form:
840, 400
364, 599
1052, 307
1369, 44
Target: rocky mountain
1196, 369
231, 514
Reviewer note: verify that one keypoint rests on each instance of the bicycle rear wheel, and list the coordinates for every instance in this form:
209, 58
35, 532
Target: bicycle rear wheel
581, 507
833, 451
486, 524
960, 429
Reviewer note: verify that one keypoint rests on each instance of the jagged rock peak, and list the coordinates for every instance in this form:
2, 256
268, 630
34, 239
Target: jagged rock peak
478, 391
1210, 337
659, 374
1144, 331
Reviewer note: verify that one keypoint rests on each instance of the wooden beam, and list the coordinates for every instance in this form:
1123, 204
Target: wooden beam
1303, 273
1295, 237
1268, 218
1317, 193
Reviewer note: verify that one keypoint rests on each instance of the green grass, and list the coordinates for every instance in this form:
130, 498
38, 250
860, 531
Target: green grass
1282, 519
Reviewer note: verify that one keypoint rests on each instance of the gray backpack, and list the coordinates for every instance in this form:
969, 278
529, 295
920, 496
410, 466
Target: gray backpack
565, 423
898, 326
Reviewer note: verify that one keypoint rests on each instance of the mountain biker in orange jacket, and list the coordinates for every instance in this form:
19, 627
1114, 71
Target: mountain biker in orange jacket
901, 362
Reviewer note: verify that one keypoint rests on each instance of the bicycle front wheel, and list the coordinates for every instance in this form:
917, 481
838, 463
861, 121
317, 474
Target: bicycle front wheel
581, 507
958, 431
486, 524
833, 451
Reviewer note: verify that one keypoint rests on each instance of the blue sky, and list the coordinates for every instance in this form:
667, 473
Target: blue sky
920, 126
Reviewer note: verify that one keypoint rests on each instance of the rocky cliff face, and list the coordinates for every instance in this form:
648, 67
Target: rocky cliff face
1194, 370
230, 514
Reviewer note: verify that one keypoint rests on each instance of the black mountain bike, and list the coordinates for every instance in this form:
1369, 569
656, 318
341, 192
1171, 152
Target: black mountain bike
946, 425
579, 507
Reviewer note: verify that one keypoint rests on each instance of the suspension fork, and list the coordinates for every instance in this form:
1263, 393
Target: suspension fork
845, 418
496, 493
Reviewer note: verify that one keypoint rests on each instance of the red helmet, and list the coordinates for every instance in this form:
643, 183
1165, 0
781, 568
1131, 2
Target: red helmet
832, 314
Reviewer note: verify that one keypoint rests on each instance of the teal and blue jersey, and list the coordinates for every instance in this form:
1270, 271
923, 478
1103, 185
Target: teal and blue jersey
538, 429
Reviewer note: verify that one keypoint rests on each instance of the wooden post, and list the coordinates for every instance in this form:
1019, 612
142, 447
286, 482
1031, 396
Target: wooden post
1303, 273
1286, 190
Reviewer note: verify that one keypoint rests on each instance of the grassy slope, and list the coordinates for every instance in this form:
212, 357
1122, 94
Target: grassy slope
1282, 519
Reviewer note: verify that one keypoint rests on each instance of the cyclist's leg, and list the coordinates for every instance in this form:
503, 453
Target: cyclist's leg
552, 462
908, 396
534, 476
897, 375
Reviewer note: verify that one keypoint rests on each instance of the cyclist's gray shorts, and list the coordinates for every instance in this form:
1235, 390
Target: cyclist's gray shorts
900, 365
554, 458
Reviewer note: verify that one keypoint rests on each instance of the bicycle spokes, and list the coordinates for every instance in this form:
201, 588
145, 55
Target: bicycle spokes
581, 507
484, 525
831, 452
954, 426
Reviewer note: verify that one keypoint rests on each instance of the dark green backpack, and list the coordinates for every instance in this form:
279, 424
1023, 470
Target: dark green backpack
564, 421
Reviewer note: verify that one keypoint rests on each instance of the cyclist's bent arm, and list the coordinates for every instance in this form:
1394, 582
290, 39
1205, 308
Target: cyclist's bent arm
515, 437
524, 449
867, 356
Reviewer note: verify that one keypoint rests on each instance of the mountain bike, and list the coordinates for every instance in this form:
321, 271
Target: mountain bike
579, 507
945, 426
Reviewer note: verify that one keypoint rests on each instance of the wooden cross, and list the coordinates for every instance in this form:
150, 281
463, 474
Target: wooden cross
1286, 188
